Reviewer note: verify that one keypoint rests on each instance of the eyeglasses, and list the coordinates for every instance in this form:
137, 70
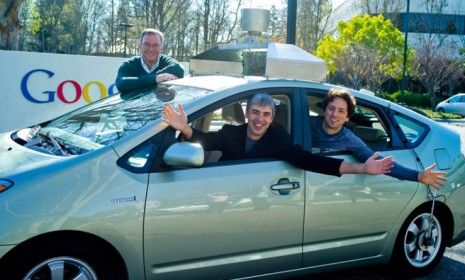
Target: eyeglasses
148, 46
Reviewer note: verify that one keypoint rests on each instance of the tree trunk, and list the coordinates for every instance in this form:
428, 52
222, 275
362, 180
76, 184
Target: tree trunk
9, 24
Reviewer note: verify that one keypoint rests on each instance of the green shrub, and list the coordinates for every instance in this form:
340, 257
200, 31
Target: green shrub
409, 98
417, 102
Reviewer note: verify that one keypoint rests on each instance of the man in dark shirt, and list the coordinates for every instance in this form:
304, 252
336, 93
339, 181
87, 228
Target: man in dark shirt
259, 138
150, 68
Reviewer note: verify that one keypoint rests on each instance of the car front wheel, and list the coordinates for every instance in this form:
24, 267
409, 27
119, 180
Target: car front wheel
420, 244
65, 260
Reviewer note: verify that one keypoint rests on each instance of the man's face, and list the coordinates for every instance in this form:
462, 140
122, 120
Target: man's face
259, 119
336, 115
150, 48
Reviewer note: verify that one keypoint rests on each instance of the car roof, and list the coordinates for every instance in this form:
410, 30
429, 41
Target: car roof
213, 83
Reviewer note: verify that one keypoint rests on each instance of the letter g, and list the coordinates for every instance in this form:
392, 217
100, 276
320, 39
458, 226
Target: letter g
25, 91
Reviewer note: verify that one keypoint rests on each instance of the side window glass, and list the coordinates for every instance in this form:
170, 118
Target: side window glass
147, 156
412, 130
366, 123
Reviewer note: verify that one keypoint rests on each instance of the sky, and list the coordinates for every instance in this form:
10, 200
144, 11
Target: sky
266, 4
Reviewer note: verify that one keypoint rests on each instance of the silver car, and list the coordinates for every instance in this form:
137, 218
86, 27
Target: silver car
454, 104
110, 192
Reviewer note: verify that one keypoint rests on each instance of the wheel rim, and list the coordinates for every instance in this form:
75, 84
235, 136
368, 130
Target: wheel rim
419, 248
61, 268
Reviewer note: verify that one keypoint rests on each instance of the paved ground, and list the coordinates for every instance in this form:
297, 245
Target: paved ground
452, 267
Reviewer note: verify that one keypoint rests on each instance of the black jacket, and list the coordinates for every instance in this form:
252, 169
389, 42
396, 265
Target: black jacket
276, 142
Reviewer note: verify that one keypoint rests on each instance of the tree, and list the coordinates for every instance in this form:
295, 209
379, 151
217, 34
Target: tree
278, 24
436, 66
312, 21
365, 52
10, 25
219, 20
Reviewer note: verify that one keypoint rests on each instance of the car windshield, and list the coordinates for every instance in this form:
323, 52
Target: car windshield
104, 122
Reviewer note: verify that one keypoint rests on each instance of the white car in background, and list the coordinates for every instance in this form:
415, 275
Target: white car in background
454, 104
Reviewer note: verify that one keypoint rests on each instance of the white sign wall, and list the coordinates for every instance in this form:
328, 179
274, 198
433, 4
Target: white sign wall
36, 87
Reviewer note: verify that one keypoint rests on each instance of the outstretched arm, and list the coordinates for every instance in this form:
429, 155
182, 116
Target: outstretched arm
372, 166
433, 178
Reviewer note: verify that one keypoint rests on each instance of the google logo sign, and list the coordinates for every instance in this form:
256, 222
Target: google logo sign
77, 92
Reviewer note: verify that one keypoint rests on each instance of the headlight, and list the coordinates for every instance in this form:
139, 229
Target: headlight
5, 184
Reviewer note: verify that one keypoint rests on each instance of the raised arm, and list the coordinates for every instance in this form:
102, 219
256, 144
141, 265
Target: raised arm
177, 119
372, 166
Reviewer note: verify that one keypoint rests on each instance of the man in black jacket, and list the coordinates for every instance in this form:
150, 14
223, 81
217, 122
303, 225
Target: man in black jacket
150, 68
259, 138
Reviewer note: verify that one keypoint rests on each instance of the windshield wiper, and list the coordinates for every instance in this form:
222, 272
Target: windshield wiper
35, 138
58, 149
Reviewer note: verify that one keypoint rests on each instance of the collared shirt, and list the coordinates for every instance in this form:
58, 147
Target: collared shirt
146, 68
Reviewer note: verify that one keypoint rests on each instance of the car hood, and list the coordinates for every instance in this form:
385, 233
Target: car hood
15, 158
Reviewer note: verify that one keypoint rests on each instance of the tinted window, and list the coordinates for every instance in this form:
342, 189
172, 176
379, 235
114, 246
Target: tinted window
412, 129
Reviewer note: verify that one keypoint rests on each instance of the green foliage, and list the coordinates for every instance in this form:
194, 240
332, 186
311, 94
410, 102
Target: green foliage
409, 98
418, 102
437, 115
369, 48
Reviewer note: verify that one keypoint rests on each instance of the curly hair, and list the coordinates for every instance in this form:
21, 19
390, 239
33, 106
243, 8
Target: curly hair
338, 92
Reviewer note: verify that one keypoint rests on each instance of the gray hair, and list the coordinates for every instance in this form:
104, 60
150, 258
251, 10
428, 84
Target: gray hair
261, 99
152, 31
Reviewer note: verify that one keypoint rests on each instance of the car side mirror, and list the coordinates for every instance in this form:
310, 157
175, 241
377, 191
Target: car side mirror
184, 154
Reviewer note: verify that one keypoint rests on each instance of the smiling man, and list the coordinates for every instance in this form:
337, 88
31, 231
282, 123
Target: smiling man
329, 133
260, 138
150, 67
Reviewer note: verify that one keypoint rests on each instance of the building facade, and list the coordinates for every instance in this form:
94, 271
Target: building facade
443, 19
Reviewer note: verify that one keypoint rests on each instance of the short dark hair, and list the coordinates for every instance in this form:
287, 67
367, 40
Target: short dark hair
263, 99
147, 31
343, 93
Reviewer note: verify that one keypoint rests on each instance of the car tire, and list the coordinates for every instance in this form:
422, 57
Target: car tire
65, 260
414, 253
441, 110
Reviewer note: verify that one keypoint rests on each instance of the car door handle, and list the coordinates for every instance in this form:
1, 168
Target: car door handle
284, 186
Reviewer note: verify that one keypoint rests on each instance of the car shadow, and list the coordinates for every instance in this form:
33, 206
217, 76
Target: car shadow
448, 268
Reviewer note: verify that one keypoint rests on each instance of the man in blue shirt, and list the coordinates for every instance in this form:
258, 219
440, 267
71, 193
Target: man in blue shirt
328, 132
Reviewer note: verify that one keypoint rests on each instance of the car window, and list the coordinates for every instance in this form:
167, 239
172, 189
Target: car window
412, 130
233, 113
454, 99
366, 123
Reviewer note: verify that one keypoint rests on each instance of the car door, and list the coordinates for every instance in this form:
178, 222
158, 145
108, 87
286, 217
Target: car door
224, 220
350, 217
